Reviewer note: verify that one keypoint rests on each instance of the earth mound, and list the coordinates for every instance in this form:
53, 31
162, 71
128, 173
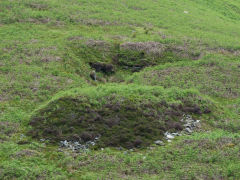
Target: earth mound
117, 115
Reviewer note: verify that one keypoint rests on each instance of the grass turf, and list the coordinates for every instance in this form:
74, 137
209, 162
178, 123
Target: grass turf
37, 60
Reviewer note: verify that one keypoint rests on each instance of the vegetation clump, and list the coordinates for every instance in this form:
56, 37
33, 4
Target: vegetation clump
122, 116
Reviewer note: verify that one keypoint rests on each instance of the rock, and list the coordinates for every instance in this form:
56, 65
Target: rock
64, 143
159, 142
169, 135
190, 125
188, 130
197, 124
77, 146
176, 134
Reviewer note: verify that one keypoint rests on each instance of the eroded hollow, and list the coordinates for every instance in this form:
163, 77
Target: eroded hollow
127, 116
131, 56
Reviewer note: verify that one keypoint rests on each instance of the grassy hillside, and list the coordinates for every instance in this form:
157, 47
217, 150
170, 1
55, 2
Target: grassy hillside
159, 50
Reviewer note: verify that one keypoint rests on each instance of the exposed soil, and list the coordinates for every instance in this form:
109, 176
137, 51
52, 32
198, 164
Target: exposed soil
102, 67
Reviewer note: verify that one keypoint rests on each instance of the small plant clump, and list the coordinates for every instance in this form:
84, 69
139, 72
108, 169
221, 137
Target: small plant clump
122, 116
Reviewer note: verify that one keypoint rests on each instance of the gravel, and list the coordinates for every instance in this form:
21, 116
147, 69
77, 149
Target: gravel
190, 126
76, 146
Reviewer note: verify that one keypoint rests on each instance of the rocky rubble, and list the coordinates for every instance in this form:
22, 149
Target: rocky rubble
190, 126
77, 146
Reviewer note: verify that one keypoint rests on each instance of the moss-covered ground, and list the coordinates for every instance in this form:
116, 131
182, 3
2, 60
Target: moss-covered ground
166, 55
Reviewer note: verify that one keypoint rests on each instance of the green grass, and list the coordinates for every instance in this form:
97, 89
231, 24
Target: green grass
213, 77
44, 55
203, 155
